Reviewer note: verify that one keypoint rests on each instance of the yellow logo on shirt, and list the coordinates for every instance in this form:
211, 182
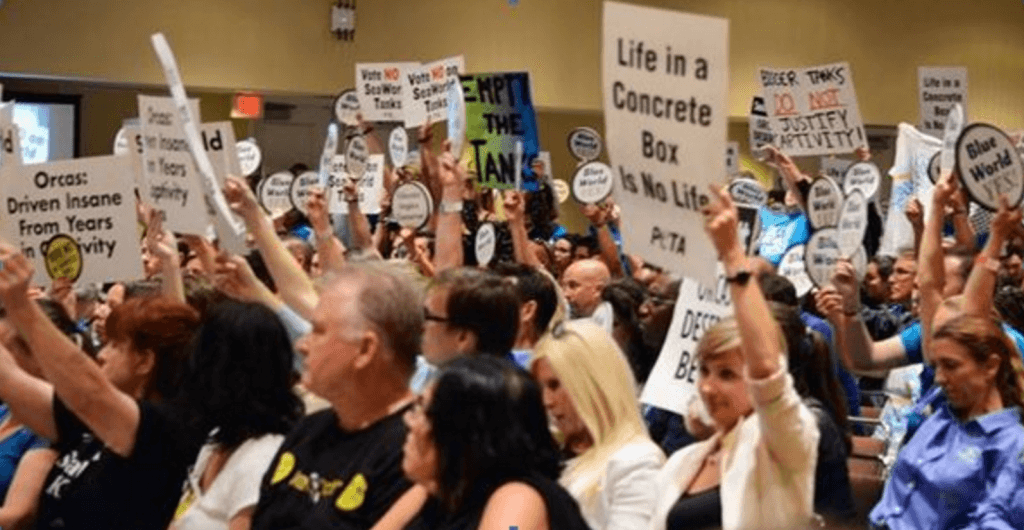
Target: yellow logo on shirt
285, 465
353, 495
186, 502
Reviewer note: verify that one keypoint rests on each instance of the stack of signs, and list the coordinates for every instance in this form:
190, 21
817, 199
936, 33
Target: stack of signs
665, 77
425, 90
380, 90
749, 196
989, 166
940, 88
840, 222
813, 111
760, 126
499, 113
74, 218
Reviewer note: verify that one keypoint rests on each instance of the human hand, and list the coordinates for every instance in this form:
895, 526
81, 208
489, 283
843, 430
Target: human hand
914, 213
515, 205
316, 212
944, 190
62, 291
15, 276
1005, 221
241, 199
830, 303
159, 242
863, 153
720, 222
235, 278
844, 279
597, 214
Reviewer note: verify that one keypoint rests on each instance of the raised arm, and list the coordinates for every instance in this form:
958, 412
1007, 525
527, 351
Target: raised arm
981, 284
294, 286
362, 239
791, 174
931, 270
599, 215
26, 488
515, 211
162, 244
328, 246
449, 252
858, 353
29, 398
112, 415
915, 214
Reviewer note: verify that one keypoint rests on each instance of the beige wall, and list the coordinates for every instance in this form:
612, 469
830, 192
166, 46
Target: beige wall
284, 45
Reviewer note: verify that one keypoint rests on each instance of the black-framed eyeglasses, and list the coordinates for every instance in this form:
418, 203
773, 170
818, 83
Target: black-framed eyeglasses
427, 315
658, 300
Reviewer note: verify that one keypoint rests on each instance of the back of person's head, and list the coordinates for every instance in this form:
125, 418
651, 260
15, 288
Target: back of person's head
483, 303
983, 337
626, 295
142, 288
778, 288
200, 293
1009, 301
240, 374
884, 264
489, 426
532, 286
161, 326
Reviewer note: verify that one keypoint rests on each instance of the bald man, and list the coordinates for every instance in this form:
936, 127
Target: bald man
582, 283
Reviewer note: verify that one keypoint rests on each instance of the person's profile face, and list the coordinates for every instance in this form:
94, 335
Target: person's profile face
419, 453
966, 382
876, 288
558, 403
562, 252
901, 281
441, 342
334, 341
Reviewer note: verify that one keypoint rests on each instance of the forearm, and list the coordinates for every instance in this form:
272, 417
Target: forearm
331, 252
293, 285
449, 234
173, 286
30, 399
26, 488
609, 251
521, 244
963, 232
759, 332
981, 284
362, 239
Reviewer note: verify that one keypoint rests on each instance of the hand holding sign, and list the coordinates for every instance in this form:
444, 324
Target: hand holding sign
15, 275
316, 211
159, 242
844, 279
1006, 220
241, 199
822, 255
989, 166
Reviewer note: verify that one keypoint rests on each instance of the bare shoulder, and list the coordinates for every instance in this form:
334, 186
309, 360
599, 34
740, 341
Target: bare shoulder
515, 504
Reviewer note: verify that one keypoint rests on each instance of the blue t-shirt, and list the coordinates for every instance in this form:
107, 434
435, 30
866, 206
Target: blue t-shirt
13, 448
910, 336
780, 231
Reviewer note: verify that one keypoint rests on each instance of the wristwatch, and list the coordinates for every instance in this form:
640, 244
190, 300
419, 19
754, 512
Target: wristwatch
450, 207
741, 277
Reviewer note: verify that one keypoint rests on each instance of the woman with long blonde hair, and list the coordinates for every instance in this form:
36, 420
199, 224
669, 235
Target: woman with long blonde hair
590, 394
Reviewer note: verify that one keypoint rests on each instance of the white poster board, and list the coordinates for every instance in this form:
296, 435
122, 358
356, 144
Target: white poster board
813, 111
760, 126
939, 88
10, 137
369, 188
379, 88
660, 149
425, 90
129, 143
73, 218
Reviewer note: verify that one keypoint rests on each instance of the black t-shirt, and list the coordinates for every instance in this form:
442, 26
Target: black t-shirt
324, 477
89, 486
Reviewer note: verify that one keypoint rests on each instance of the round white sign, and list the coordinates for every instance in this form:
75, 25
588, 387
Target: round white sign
792, 268
346, 107
821, 256
398, 146
989, 166
121, 142
275, 192
249, 156
592, 183
853, 222
935, 168
356, 154
486, 241
863, 177
823, 203
585, 144
860, 263
748, 191
456, 117
954, 125
561, 188
300, 190
411, 205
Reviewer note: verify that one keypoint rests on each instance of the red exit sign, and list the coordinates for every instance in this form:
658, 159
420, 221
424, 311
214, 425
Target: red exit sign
247, 105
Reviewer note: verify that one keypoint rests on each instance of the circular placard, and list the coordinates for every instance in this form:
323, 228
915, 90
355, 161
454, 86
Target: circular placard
398, 146
853, 222
863, 177
485, 243
62, 257
860, 263
592, 183
824, 200
748, 191
300, 189
121, 142
585, 144
561, 188
356, 154
249, 156
411, 205
275, 192
456, 117
822, 255
989, 166
935, 168
346, 107
792, 268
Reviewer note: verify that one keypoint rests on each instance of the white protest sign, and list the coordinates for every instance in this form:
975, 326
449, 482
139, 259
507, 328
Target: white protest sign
74, 218
10, 137
302, 187
129, 142
989, 166
411, 205
759, 125
484, 243
249, 156
592, 183
425, 90
398, 146
954, 124
121, 145
748, 191
824, 201
456, 118
863, 177
821, 255
748, 226
665, 77
673, 380
792, 268
732, 158
327, 155
835, 168
562, 191
853, 222
368, 190
356, 153
940, 88
379, 90
813, 111
220, 145
346, 107
935, 168
585, 144
274, 192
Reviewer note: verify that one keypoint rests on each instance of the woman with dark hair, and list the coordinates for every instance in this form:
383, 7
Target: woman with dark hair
479, 446
626, 296
240, 386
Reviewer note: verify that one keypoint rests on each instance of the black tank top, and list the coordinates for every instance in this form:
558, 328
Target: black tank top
702, 511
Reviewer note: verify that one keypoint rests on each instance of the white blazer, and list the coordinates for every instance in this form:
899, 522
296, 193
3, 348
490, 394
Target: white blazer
767, 473
627, 496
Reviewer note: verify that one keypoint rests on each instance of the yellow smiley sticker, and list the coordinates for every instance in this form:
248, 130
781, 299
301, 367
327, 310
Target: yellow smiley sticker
62, 257
353, 495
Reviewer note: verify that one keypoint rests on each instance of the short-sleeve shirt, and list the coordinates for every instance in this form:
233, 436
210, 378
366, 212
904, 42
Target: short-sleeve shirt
90, 486
13, 448
780, 231
326, 477
910, 337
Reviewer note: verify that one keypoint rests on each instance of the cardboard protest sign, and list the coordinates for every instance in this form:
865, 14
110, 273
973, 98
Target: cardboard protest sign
989, 166
129, 143
250, 157
673, 380
585, 144
665, 77
824, 201
274, 192
853, 222
748, 191
346, 108
821, 256
863, 177
10, 137
813, 111
379, 90
499, 112
759, 125
592, 183
793, 269
484, 244
368, 189
35, 143
940, 87
73, 218
425, 90
411, 205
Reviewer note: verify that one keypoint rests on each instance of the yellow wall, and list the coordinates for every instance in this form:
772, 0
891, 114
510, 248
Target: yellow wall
284, 45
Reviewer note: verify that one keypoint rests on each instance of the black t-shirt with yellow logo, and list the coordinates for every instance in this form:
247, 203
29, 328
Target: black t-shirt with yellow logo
324, 477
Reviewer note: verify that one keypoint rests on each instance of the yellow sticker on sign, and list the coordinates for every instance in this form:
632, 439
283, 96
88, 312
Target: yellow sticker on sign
62, 257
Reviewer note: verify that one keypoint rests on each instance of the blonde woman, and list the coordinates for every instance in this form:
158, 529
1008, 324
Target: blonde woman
590, 395
757, 470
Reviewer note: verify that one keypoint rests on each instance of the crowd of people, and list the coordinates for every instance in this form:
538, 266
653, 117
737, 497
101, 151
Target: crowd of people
351, 373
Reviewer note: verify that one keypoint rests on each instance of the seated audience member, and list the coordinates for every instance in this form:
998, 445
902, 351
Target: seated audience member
625, 297
480, 449
247, 346
123, 449
582, 283
757, 471
538, 302
962, 467
590, 395
341, 467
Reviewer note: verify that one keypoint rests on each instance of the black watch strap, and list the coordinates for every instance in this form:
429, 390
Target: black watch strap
741, 277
